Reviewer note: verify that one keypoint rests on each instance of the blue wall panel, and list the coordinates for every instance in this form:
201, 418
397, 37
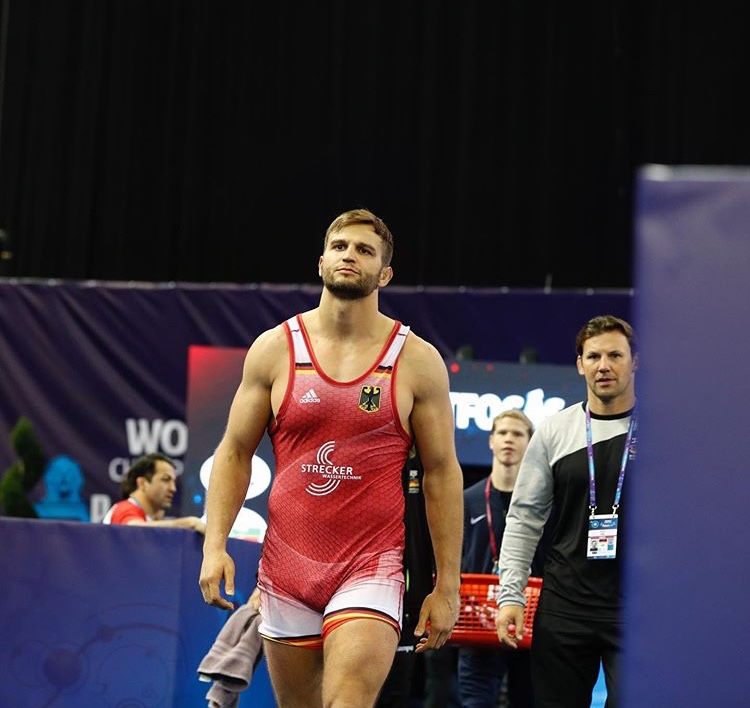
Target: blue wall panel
688, 576
95, 616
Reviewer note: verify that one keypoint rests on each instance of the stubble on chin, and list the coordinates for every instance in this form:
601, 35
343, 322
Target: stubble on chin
348, 290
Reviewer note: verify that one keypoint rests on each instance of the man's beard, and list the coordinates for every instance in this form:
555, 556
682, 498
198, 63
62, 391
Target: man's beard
350, 289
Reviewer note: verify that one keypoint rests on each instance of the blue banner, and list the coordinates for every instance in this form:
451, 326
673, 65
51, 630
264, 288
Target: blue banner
96, 615
100, 369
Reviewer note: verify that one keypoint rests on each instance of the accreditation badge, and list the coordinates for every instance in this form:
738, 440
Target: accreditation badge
602, 540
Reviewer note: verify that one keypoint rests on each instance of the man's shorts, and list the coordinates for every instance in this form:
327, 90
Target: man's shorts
286, 620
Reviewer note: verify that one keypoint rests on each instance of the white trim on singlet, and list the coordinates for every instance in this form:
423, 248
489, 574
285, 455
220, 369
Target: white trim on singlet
389, 358
301, 353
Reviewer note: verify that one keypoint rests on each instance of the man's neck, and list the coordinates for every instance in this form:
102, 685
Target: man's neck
503, 477
615, 406
337, 317
143, 502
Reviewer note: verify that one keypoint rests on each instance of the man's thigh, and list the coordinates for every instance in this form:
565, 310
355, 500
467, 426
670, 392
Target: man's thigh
357, 655
296, 674
294, 635
564, 662
293, 648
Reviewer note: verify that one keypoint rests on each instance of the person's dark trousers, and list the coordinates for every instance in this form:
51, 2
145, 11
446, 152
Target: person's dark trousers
565, 656
441, 678
396, 691
481, 672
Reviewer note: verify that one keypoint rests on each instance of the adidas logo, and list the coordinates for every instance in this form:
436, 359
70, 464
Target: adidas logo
310, 397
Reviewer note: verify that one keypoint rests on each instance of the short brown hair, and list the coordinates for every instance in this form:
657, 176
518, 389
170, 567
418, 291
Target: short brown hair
143, 467
518, 415
364, 216
601, 324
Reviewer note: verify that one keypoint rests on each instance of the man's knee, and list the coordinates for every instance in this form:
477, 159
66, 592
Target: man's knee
346, 685
357, 692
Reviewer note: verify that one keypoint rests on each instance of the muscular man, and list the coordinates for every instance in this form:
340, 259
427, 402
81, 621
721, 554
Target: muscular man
343, 391
575, 465
148, 489
486, 503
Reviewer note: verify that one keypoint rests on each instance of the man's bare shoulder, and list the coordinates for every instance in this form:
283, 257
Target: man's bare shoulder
267, 353
420, 350
270, 340
422, 362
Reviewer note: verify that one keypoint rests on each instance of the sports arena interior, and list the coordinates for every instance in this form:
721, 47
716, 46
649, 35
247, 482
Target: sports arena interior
168, 173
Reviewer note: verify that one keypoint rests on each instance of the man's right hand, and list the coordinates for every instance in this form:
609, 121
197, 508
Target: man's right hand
509, 624
217, 566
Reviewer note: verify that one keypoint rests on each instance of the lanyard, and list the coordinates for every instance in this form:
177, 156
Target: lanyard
623, 463
488, 511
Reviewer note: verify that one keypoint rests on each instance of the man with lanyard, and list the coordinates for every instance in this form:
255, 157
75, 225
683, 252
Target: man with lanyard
574, 468
481, 670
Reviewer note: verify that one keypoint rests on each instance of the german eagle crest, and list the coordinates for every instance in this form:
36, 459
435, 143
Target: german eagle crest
369, 399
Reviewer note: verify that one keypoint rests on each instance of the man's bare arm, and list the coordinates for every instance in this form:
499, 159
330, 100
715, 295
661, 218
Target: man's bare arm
432, 425
230, 475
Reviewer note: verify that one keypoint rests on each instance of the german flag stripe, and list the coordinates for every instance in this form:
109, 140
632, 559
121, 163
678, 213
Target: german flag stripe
336, 619
310, 642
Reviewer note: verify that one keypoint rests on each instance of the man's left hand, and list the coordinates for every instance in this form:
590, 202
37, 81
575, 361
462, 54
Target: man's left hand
440, 609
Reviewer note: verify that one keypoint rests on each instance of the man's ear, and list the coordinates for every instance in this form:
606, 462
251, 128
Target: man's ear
579, 365
385, 276
320, 266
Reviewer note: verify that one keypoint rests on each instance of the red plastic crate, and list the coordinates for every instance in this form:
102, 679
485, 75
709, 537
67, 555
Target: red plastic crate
476, 617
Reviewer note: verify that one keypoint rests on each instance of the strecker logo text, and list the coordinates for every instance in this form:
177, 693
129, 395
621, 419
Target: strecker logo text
325, 467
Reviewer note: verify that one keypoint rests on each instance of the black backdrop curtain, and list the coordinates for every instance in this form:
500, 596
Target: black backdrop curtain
216, 139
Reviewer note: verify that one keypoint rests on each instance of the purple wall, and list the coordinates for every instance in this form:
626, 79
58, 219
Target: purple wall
687, 618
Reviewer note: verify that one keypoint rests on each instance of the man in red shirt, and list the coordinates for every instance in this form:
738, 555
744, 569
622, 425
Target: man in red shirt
148, 489
344, 391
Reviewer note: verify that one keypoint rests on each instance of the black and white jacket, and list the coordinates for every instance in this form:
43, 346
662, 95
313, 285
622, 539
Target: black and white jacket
553, 489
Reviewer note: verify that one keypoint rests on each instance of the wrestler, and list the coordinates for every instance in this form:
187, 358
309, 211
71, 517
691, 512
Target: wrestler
344, 391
